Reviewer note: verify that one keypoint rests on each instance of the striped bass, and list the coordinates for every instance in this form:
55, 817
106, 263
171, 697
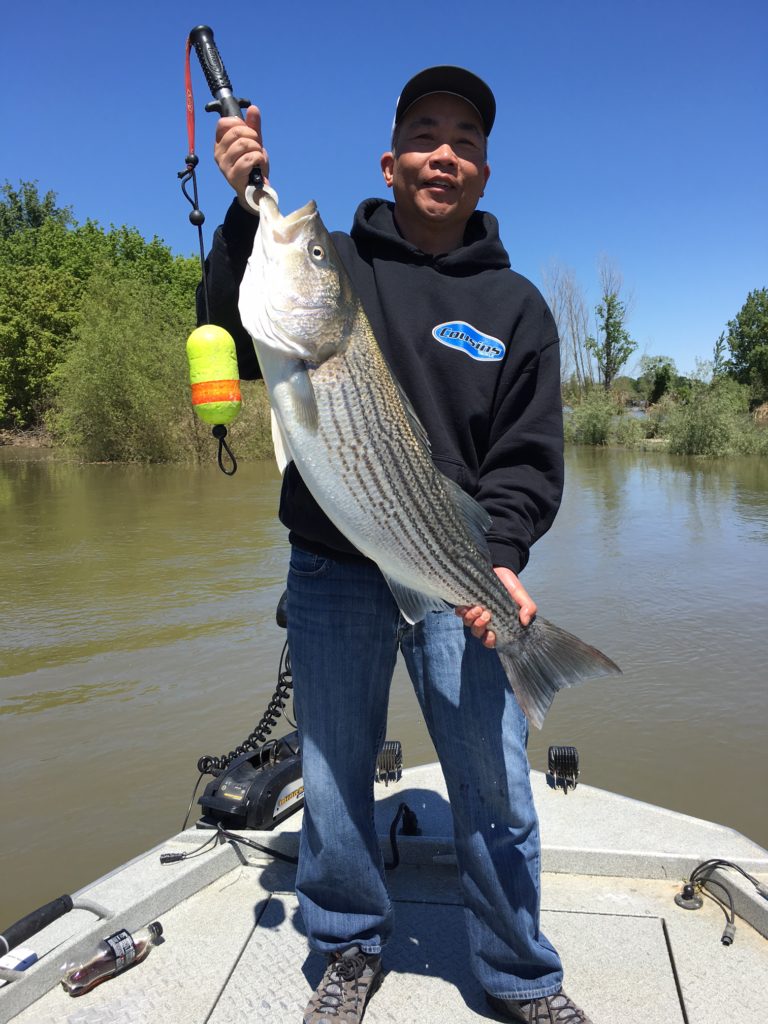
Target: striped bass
362, 452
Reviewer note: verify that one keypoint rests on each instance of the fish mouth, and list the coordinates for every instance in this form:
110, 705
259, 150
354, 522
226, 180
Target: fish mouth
286, 230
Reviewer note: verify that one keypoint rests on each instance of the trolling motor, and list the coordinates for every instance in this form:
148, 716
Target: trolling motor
258, 789
260, 783
213, 370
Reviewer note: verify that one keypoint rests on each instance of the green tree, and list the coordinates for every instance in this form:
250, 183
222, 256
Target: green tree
719, 358
24, 207
37, 314
613, 346
747, 340
657, 375
46, 262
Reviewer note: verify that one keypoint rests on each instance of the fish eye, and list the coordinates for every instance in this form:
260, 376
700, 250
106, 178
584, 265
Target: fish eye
317, 252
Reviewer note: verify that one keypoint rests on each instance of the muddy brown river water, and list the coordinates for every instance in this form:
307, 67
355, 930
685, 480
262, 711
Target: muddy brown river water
137, 632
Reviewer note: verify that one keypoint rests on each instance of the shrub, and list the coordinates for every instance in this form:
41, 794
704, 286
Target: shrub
590, 421
657, 417
629, 431
752, 437
710, 422
121, 392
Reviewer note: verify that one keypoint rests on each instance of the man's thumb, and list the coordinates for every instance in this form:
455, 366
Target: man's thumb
253, 119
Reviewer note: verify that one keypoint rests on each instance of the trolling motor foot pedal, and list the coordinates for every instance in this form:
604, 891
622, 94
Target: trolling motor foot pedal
563, 768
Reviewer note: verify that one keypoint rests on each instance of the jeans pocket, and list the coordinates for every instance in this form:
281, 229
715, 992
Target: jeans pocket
308, 564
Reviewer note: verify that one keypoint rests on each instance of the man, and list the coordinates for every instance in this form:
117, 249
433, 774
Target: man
476, 351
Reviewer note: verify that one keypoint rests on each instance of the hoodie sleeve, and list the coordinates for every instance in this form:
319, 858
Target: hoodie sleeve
224, 269
521, 476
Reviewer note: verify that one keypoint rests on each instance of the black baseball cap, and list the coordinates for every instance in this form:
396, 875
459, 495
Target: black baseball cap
454, 80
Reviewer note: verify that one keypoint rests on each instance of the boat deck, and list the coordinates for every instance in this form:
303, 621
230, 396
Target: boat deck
234, 951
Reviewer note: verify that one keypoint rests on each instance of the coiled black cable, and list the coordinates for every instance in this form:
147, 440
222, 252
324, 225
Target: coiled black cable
210, 765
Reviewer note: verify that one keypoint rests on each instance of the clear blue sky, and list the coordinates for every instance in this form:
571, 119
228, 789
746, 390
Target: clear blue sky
637, 131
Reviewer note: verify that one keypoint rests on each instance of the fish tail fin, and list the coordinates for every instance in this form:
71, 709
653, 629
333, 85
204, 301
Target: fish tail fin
545, 660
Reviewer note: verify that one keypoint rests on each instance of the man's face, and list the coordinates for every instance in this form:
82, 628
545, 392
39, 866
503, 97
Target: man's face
439, 171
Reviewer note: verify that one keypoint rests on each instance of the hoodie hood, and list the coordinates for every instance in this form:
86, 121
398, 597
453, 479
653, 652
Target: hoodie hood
374, 228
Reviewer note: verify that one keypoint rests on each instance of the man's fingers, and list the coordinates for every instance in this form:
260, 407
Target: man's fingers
239, 148
477, 619
471, 615
244, 153
251, 125
235, 125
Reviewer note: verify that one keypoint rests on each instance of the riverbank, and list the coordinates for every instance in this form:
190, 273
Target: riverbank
37, 438
714, 423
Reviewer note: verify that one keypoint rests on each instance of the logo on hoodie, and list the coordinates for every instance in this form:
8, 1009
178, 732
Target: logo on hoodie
467, 339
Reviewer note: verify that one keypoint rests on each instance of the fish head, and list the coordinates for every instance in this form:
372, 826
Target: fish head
296, 297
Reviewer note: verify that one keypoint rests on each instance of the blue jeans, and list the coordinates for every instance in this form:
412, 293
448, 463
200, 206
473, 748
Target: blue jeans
344, 632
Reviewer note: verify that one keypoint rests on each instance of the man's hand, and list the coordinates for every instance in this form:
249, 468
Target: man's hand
238, 149
478, 618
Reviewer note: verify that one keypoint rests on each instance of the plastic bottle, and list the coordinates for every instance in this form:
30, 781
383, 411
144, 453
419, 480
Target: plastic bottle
117, 952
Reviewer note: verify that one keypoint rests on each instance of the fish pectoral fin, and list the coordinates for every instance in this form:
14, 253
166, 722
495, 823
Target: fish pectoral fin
413, 604
302, 396
282, 451
476, 519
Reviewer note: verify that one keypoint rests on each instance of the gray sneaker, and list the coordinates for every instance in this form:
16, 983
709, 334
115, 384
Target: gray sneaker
349, 981
557, 1009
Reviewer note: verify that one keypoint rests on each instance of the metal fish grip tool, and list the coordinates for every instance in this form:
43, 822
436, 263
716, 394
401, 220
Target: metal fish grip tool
224, 102
211, 350
563, 767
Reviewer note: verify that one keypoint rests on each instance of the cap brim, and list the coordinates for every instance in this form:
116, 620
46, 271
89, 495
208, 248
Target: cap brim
455, 81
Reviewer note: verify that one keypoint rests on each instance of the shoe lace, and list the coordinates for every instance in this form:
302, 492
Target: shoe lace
331, 990
565, 1011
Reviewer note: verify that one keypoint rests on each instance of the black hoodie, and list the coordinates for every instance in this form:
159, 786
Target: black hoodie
473, 345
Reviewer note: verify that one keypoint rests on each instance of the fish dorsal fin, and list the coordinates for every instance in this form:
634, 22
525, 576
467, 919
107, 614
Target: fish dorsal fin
413, 605
476, 519
282, 452
410, 413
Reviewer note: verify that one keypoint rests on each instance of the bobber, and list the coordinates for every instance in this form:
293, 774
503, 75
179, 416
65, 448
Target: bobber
214, 375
